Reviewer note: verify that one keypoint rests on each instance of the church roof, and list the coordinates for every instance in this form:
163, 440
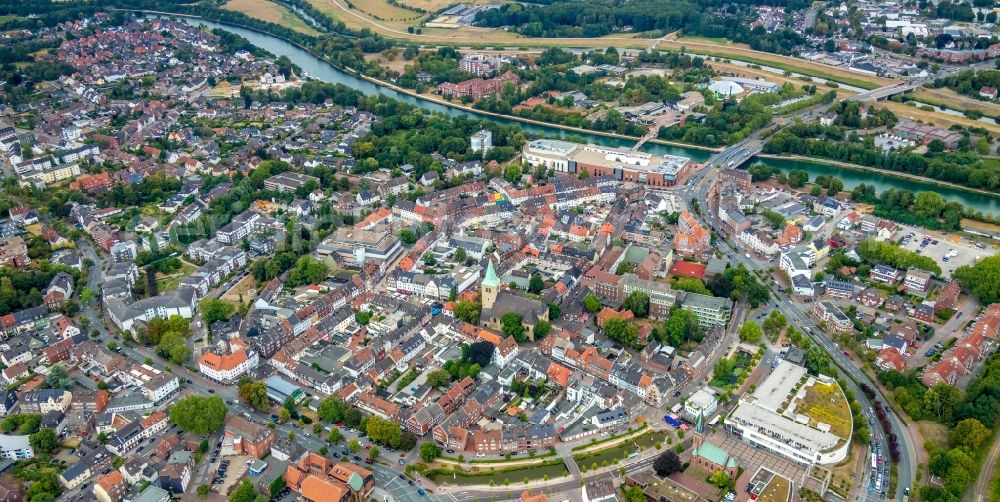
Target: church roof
714, 454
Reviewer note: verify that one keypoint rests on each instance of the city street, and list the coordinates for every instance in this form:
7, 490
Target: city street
698, 188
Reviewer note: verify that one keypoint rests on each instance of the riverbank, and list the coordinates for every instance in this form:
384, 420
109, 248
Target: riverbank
884, 172
321, 69
469, 109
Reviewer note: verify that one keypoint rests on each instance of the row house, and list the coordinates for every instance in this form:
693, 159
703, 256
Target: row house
760, 242
947, 296
957, 361
128, 437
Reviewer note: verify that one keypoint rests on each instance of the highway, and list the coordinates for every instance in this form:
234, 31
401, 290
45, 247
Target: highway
698, 187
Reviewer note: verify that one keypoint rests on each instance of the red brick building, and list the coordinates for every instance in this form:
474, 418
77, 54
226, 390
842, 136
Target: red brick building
244, 437
477, 88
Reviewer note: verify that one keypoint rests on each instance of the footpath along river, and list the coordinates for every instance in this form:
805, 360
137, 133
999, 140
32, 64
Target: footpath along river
321, 70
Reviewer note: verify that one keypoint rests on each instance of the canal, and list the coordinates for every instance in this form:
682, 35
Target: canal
321, 70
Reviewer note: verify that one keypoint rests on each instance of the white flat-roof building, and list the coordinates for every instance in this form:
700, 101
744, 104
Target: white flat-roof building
702, 403
765, 419
653, 171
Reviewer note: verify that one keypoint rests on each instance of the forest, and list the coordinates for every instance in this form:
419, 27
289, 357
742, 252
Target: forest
962, 167
579, 18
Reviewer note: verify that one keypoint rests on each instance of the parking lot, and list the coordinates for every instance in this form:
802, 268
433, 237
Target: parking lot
949, 251
234, 467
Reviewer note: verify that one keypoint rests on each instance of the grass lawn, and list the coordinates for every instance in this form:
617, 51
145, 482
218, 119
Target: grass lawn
934, 118
947, 98
714, 40
935, 435
826, 403
272, 13
169, 282
383, 11
776, 491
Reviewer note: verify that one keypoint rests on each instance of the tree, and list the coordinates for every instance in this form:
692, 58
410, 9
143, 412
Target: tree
535, 284
638, 303
511, 325
460, 255
439, 378
936, 146
43, 441
480, 352
331, 409
774, 323
203, 490
592, 303
541, 329
199, 414
468, 311
621, 331
692, 285
254, 393
307, 270
680, 327
982, 278
406, 237
750, 332
429, 452
353, 446
335, 436
970, 433
213, 309
245, 492
284, 415
58, 378
666, 464
797, 178
720, 479
373, 453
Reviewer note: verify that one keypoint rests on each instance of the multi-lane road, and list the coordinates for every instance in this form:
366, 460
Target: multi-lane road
697, 188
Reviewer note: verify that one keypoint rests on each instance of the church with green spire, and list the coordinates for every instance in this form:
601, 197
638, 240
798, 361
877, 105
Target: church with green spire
497, 302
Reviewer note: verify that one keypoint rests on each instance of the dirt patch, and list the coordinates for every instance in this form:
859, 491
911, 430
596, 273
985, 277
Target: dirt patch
272, 13
935, 435
243, 288
397, 63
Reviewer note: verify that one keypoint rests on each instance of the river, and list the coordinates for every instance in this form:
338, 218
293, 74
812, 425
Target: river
321, 70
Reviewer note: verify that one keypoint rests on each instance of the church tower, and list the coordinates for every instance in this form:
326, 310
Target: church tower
489, 288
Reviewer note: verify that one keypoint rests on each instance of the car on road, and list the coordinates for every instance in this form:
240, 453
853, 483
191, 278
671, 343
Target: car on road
211, 391
421, 492
450, 451
410, 482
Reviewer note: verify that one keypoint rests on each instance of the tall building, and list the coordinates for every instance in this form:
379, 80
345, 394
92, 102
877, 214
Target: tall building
482, 141
489, 288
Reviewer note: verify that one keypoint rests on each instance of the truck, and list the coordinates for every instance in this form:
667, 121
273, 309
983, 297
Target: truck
672, 421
